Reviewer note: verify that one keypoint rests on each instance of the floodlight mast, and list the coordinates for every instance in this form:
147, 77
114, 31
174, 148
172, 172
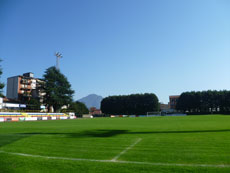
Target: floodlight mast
58, 56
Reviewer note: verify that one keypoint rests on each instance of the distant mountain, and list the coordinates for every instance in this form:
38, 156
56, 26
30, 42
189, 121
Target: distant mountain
92, 100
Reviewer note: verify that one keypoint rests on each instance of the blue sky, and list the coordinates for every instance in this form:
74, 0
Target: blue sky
113, 47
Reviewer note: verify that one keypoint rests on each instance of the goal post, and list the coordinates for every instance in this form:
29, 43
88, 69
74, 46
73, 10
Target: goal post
153, 114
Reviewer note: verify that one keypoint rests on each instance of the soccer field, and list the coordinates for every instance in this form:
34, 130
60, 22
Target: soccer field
151, 144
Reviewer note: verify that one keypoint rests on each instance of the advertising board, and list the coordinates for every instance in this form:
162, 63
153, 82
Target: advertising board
44, 118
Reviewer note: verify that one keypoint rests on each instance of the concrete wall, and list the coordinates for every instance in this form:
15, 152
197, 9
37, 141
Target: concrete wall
12, 88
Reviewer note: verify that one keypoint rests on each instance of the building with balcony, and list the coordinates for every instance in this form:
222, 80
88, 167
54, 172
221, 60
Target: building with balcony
173, 101
24, 87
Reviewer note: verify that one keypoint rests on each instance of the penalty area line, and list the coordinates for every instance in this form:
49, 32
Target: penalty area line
117, 161
125, 150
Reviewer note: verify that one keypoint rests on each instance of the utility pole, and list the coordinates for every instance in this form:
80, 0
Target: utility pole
58, 56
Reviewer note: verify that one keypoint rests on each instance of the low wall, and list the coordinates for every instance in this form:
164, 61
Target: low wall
16, 116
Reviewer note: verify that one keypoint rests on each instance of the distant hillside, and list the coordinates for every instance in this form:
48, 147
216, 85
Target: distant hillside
92, 100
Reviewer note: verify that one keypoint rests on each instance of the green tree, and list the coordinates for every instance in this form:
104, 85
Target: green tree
134, 104
78, 108
33, 104
204, 102
57, 88
2, 85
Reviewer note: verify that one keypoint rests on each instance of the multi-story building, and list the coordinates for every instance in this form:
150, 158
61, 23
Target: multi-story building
173, 101
164, 107
23, 87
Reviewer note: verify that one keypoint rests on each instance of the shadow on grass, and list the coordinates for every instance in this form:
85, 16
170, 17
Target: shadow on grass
189, 131
110, 133
88, 133
6, 139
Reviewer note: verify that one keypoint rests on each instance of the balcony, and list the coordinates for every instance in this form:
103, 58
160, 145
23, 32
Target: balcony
25, 89
24, 81
26, 95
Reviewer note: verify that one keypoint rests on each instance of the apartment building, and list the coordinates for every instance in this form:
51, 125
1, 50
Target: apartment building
173, 101
23, 87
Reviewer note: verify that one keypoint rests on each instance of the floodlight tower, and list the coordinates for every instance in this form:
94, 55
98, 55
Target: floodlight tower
58, 56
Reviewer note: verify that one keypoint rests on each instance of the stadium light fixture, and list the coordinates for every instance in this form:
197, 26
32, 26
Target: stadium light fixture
58, 56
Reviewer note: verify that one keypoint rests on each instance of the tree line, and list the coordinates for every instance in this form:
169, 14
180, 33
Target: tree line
204, 102
134, 104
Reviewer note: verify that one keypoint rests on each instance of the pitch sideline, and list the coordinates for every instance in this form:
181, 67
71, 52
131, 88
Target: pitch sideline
117, 161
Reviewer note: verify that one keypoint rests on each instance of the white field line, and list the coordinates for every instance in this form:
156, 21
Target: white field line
125, 150
118, 161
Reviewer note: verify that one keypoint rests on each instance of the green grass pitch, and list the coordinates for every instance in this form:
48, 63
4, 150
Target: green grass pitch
151, 144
